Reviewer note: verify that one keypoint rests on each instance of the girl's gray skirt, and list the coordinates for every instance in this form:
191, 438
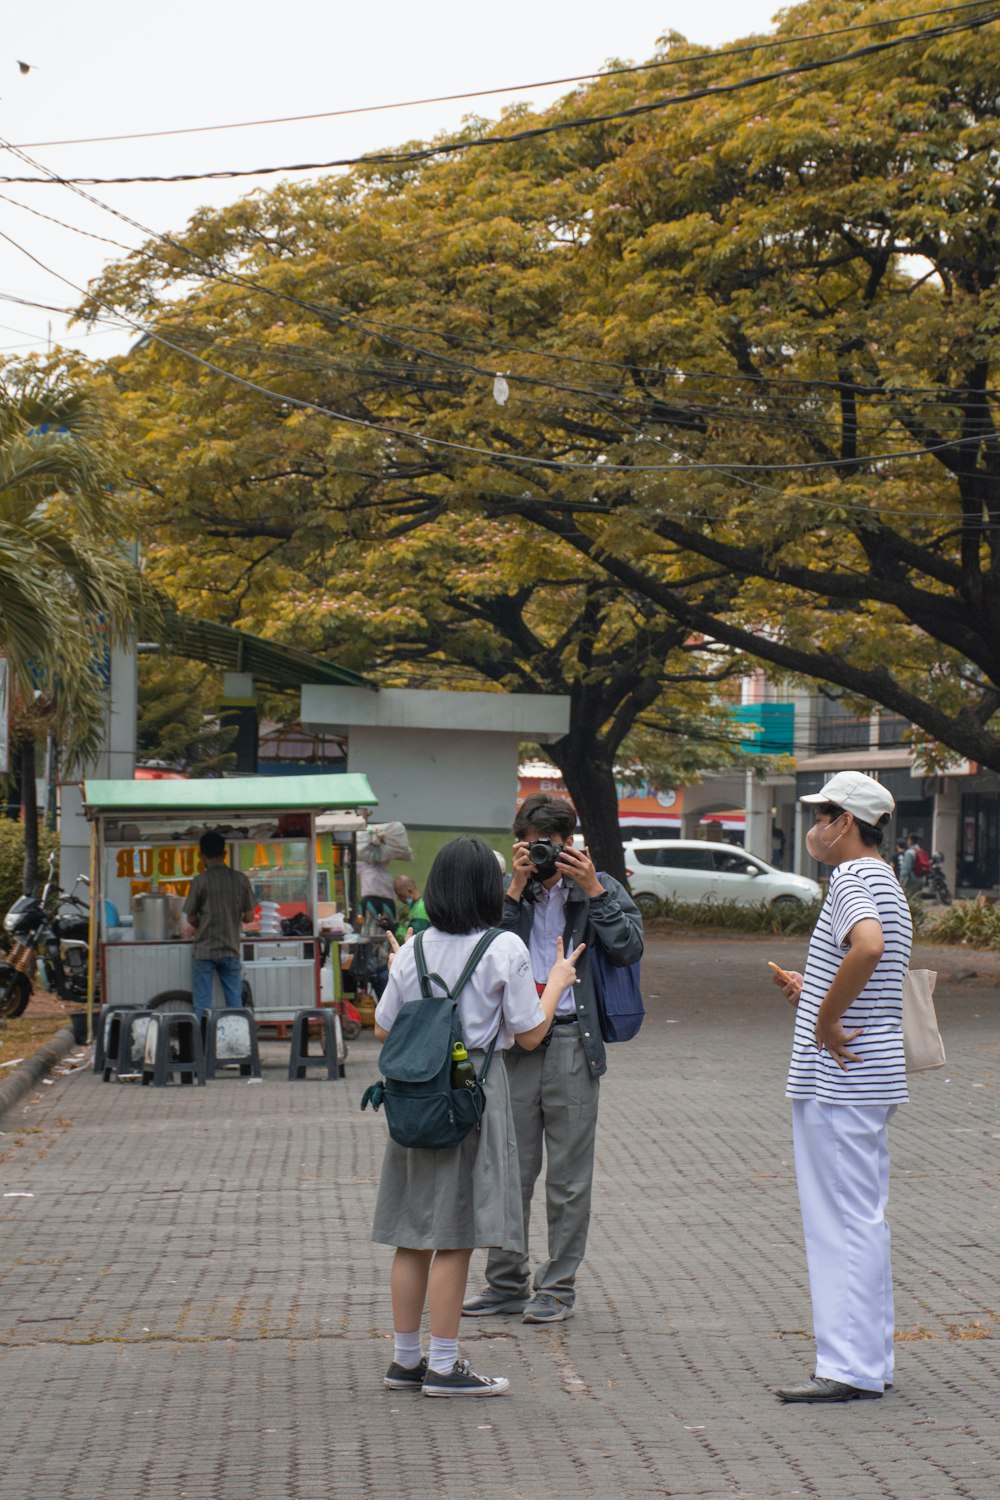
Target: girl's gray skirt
464, 1197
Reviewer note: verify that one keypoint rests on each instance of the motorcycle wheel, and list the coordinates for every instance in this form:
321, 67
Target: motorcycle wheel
15, 992
944, 895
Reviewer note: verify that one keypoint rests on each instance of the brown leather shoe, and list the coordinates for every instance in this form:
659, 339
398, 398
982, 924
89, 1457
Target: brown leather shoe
822, 1389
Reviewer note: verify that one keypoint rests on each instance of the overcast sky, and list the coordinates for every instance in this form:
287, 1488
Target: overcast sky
117, 66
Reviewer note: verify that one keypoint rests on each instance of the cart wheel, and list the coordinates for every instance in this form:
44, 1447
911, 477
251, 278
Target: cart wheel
351, 1029
172, 1000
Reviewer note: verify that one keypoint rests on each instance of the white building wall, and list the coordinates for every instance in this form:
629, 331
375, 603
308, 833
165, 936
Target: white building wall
437, 759
438, 778
115, 762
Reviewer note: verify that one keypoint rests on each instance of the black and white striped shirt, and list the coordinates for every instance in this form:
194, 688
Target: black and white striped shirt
859, 889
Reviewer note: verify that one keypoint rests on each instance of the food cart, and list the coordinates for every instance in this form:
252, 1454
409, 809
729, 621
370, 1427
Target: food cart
144, 854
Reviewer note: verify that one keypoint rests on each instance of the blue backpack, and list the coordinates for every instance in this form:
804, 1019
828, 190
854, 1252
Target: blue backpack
422, 1109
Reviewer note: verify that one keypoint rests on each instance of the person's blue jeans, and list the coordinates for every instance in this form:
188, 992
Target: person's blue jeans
203, 971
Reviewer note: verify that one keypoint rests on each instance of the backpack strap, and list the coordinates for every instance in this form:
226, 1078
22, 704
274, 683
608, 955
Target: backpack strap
489, 936
422, 974
427, 980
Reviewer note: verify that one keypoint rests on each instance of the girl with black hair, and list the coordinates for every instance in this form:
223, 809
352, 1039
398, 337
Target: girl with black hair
436, 1207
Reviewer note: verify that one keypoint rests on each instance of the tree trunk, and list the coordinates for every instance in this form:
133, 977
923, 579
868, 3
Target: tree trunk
29, 805
590, 781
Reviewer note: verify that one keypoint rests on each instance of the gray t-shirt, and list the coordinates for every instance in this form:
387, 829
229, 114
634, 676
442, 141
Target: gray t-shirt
220, 898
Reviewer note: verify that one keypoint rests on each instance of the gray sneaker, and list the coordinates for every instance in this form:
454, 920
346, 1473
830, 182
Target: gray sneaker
462, 1380
544, 1308
399, 1378
491, 1300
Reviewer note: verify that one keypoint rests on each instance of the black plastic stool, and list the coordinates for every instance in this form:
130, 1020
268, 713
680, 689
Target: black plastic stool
107, 1016
122, 1038
300, 1058
131, 1045
238, 1042
164, 1029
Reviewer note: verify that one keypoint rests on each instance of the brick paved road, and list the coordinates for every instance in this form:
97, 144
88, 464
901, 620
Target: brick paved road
190, 1307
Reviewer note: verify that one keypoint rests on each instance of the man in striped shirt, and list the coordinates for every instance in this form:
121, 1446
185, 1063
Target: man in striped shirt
850, 997
219, 899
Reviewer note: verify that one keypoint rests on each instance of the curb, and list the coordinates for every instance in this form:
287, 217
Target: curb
28, 1072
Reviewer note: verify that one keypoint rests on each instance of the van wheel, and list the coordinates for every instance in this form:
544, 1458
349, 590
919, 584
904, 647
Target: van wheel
172, 1000
647, 903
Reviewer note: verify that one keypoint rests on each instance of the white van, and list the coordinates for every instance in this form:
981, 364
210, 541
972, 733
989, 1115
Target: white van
693, 870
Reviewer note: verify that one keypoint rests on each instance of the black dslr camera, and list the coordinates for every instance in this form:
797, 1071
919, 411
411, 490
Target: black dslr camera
543, 854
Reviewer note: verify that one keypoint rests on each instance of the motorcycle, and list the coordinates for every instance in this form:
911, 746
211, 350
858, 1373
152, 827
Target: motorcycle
50, 937
935, 885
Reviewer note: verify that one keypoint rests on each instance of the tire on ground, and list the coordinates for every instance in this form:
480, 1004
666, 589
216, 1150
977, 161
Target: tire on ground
171, 1000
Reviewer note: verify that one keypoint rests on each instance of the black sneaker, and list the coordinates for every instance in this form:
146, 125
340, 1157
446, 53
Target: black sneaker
462, 1380
399, 1378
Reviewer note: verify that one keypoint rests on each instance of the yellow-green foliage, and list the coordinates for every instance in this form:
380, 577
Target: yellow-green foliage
12, 859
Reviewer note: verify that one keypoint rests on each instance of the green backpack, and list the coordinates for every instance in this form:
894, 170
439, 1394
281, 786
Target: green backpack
421, 1108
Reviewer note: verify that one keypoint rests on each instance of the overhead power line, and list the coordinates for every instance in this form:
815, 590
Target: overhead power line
391, 331
517, 88
456, 147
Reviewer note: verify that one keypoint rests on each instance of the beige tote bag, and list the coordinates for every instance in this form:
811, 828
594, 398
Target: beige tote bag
922, 1044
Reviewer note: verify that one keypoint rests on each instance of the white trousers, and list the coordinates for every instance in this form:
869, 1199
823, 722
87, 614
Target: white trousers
842, 1167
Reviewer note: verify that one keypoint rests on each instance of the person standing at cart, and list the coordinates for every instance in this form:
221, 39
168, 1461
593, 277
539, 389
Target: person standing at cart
219, 901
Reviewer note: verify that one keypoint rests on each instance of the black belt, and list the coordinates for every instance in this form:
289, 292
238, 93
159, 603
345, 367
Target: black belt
565, 1020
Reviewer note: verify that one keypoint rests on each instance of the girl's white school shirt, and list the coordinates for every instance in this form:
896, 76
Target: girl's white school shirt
498, 1000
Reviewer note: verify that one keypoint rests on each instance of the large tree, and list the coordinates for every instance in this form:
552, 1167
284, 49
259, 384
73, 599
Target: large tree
266, 516
725, 329
480, 604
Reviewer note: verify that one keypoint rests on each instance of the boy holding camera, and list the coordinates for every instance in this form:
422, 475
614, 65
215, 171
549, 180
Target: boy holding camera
555, 892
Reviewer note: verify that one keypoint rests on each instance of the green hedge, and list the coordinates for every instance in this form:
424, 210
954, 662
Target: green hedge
975, 924
733, 916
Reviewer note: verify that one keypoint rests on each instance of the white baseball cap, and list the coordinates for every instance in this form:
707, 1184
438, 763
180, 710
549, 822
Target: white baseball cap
856, 793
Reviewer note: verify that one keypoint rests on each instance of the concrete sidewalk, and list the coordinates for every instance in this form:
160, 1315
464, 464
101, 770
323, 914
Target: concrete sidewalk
190, 1305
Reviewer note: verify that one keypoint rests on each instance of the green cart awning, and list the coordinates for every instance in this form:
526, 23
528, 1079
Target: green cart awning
234, 794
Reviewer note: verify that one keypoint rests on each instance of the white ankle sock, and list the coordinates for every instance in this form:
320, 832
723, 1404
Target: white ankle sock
408, 1352
443, 1354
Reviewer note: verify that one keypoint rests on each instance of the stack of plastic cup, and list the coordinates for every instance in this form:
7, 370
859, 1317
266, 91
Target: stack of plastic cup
270, 922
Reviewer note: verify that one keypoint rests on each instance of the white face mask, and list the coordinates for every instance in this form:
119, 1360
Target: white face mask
819, 847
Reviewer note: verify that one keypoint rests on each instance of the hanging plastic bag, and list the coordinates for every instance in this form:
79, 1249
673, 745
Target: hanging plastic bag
380, 842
